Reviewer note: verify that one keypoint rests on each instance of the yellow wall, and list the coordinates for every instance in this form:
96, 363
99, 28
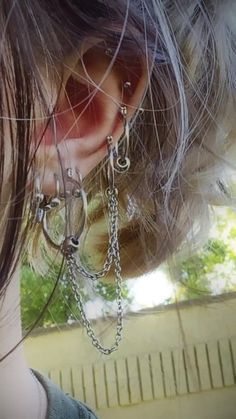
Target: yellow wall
153, 373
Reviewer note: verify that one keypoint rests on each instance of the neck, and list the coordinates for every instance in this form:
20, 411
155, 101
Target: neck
21, 395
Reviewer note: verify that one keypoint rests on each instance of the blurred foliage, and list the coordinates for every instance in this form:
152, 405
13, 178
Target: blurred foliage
36, 290
212, 269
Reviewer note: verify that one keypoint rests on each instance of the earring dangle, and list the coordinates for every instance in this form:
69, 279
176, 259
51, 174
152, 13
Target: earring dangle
69, 247
122, 161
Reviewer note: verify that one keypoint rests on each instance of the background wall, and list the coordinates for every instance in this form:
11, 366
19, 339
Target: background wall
175, 362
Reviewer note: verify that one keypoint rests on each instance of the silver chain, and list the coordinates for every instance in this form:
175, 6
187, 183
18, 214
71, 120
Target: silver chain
113, 222
114, 254
118, 163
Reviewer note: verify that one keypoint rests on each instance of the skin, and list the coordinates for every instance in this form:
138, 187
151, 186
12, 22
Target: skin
81, 145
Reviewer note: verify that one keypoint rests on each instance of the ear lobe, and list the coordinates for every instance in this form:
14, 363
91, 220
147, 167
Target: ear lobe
88, 109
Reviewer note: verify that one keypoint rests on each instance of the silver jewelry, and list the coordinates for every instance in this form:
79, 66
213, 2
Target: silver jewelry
122, 161
73, 189
109, 52
127, 85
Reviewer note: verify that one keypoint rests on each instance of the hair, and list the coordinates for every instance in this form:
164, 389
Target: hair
180, 141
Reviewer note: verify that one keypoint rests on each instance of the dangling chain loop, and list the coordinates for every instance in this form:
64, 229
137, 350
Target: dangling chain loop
73, 189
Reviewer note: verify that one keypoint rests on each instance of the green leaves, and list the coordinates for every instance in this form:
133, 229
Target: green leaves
212, 269
35, 291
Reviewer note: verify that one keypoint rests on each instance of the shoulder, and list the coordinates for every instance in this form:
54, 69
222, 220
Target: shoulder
61, 405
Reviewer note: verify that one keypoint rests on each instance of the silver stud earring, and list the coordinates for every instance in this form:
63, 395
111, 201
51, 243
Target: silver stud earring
109, 52
127, 85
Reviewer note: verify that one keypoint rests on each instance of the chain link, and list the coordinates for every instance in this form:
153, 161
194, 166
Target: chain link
119, 163
113, 255
113, 220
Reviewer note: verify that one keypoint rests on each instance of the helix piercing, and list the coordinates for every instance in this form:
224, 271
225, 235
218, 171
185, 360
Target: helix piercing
108, 52
127, 85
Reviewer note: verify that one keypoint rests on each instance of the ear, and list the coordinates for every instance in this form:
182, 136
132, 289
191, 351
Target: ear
88, 109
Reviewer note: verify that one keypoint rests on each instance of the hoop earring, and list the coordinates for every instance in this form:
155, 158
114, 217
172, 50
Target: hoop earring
73, 188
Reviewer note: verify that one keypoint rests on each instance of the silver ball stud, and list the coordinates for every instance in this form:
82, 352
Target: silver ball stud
109, 139
69, 172
127, 85
123, 111
108, 52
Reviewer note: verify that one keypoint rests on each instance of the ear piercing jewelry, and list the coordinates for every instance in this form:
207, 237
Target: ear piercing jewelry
73, 189
122, 161
127, 85
108, 52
